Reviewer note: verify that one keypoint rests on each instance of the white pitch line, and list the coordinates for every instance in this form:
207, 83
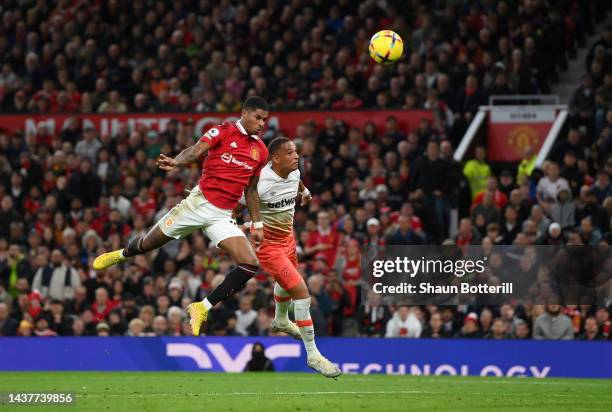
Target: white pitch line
300, 393
414, 392
493, 380
95, 395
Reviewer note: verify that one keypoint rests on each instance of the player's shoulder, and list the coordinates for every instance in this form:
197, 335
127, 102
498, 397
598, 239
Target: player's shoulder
267, 179
267, 172
268, 175
215, 132
224, 128
295, 174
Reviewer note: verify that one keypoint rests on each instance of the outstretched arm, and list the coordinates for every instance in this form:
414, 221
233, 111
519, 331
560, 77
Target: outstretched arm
187, 156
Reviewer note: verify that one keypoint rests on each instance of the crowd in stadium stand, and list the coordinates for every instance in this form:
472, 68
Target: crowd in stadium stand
117, 56
65, 198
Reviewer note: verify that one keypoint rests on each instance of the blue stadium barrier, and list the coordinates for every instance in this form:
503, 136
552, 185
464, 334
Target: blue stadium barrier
391, 356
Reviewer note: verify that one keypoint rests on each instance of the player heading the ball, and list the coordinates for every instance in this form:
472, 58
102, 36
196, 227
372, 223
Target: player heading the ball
235, 158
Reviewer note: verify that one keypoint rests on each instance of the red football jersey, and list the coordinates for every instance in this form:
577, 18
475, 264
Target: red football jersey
233, 157
330, 238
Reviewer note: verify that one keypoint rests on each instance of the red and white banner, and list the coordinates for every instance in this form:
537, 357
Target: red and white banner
511, 130
287, 122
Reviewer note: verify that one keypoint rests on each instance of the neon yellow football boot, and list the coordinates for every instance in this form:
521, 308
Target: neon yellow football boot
109, 259
197, 316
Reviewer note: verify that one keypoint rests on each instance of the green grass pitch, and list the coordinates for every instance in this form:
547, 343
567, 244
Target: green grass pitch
211, 392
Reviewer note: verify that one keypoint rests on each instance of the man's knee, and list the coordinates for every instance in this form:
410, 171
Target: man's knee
245, 255
250, 260
299, 291
240, 250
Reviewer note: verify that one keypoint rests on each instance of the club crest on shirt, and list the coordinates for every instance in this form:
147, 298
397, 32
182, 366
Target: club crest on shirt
255, 153
169, 222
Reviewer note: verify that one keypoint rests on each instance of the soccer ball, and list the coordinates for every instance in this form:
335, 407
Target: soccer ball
386, 47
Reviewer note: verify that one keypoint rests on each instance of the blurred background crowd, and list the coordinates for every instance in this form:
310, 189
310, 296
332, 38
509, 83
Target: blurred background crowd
67, 197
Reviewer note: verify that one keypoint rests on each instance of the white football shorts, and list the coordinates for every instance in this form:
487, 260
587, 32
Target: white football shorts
196, 212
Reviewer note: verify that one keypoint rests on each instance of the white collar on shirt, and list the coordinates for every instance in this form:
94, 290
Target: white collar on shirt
243, 130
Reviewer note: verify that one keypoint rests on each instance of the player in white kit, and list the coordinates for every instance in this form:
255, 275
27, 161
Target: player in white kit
278, 187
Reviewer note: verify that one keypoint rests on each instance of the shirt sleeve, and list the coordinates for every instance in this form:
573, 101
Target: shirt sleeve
212, 137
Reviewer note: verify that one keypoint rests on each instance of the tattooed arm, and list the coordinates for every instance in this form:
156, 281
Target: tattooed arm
187, 156
252, 200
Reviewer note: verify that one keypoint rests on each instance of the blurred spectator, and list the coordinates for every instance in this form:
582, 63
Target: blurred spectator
485, 321
8, 325
433, 175
582, 104
470, 327
85, 184
521, 330
58, 321
25, 328
434, 329
102, 329
467, 234
8, 214
564, 210
591, 329
603, 103
549, 187
602, 186
403, 324
102, 305
89, 146
498, 330
373, 317
160, 326
259, 362
405, 234
246, 317
477, 171
259, 298
14, 266
41, 326
113, 104
553, 324
485, 212
589, 235
324, 240
136, 328
56, 280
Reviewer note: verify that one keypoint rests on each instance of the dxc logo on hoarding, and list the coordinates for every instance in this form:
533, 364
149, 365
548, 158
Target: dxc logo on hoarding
224, 359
